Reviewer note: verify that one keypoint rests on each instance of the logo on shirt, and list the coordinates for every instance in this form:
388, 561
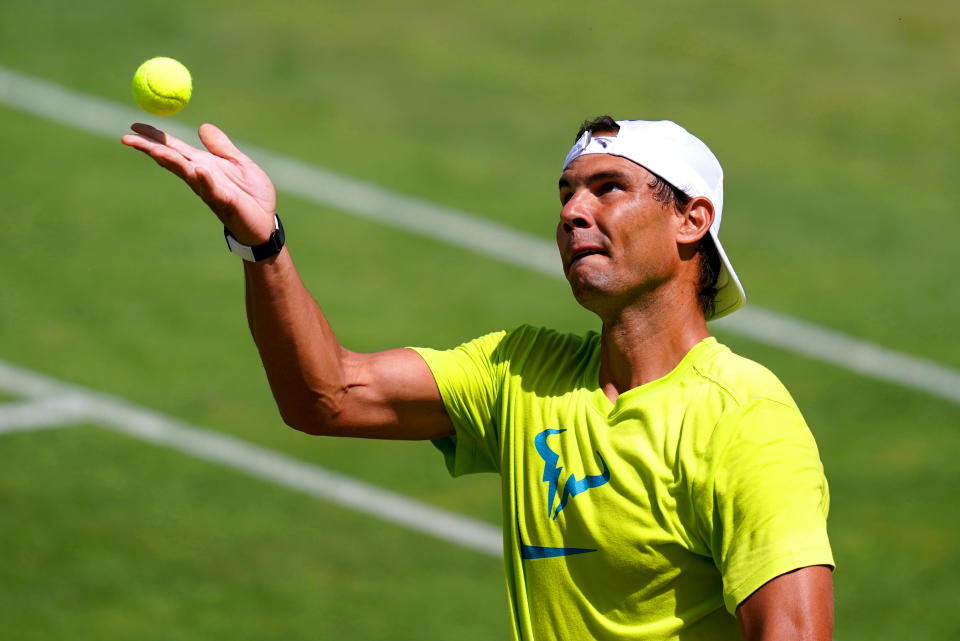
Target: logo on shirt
552, 470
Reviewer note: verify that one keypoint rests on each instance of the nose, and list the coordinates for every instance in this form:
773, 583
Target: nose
575, 213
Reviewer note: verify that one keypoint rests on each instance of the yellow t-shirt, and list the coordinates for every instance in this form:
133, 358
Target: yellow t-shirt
651, 517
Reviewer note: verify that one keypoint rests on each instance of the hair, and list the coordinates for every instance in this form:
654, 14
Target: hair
666, 194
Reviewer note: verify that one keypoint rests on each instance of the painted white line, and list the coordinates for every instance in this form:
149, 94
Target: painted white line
365, 200
296, 475
844, 351
43, 414
105, 118
70, 404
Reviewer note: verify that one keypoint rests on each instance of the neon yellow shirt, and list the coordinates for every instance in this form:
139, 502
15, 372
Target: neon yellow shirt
651, 517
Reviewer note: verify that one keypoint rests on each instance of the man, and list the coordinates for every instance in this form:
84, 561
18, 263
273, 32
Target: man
653, 482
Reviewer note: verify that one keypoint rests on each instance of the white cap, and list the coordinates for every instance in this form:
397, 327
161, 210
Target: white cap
668, 150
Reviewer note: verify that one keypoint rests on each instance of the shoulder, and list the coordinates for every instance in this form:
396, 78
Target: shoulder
540, 343
546, 362
743, 381
738, 403
520, 350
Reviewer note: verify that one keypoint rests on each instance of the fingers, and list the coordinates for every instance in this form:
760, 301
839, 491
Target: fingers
218, 143
137, 142
225, 178
211, 136
148, 131
161, 137
168, 151
157, 144
164, 156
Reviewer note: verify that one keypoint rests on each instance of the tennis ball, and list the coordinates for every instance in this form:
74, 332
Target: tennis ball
162, 86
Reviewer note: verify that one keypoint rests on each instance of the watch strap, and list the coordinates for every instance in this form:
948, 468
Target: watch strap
254, 253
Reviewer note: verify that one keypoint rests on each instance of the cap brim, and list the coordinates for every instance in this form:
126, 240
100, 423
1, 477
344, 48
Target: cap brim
730, 295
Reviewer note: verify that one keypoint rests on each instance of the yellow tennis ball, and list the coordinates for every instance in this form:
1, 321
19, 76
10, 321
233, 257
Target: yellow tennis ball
162, 86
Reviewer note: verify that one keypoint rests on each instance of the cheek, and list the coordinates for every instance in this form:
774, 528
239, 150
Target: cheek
649, 242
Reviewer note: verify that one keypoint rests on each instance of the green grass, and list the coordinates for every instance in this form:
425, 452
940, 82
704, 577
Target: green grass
835, 126
123, 540
833, 123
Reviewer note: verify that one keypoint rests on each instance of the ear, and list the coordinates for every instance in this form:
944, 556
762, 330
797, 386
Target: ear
695, 221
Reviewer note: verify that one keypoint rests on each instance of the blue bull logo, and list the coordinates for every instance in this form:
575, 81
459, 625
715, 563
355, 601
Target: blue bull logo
552, 471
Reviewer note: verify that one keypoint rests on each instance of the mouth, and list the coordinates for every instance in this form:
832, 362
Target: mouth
584, 253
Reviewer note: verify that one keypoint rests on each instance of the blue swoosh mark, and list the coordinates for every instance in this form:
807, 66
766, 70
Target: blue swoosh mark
542, 552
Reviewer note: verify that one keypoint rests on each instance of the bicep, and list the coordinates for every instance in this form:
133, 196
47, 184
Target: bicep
796, 605
390, 395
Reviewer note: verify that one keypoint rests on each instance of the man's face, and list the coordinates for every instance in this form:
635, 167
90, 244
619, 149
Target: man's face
616, 241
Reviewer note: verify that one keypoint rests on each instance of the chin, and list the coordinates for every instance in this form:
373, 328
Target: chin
590, 291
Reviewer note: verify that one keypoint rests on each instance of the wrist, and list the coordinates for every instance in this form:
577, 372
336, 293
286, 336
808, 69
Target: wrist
260, 251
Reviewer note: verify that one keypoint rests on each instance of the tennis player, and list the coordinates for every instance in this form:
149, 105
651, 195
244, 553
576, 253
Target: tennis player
654, 484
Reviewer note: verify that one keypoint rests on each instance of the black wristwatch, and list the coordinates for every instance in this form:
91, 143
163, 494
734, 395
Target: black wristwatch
257, 252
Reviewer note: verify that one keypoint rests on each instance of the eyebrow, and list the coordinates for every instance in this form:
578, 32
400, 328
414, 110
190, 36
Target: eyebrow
600, 175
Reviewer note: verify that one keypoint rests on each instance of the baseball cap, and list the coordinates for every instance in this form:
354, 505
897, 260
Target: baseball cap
683, 160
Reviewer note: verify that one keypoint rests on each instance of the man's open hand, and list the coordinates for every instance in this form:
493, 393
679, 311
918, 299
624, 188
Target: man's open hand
233, 186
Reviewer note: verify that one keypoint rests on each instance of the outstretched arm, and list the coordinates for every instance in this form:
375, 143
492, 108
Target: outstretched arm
797, 606
320, 387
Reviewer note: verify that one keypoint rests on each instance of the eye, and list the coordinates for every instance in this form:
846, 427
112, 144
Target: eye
609, 186
565, 196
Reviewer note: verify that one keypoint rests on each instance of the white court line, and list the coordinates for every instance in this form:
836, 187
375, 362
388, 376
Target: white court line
102, 117
54, 404
41, 414
850, 353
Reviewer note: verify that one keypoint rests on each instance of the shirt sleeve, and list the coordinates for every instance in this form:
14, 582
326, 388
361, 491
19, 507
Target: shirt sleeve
468, 379
770, 500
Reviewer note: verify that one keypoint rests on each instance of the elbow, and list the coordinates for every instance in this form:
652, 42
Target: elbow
303, 424
319, 415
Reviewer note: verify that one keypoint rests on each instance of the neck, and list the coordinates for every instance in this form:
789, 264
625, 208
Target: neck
645, 341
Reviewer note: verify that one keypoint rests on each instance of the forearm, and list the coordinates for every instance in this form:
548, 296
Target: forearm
319, 386
301, 355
